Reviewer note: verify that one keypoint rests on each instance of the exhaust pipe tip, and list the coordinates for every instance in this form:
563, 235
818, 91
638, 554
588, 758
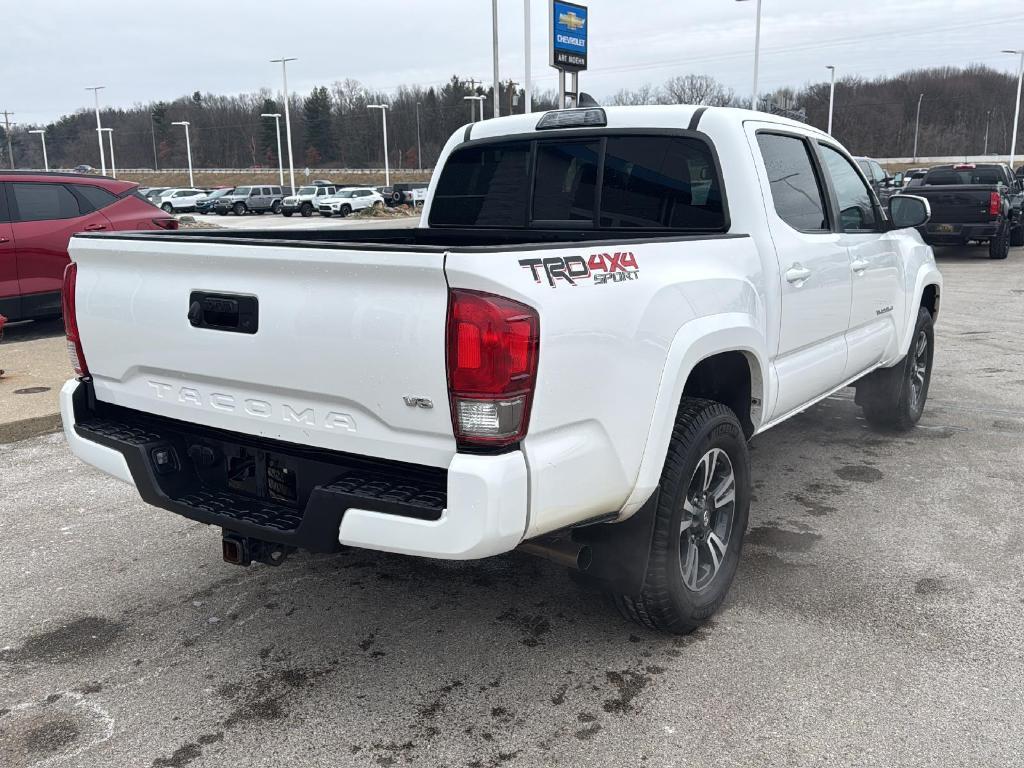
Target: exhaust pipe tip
565, 552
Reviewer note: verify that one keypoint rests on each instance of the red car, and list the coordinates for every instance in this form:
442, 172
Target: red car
39, 212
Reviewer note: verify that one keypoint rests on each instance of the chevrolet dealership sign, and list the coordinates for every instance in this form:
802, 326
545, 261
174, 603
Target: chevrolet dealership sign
569, 30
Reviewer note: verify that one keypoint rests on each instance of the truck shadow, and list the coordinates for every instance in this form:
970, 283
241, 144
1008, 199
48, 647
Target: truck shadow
31, 330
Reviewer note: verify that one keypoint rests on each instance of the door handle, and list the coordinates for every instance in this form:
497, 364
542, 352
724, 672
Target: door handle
859, 265
95, 227
797, 274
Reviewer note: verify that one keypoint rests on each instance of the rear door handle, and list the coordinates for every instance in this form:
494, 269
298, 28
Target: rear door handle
94, 227
859, 265
797, 274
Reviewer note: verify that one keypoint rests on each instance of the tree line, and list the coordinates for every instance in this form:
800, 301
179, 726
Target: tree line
333, 126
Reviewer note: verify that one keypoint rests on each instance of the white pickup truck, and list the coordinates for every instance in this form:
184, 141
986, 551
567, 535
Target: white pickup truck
568, 356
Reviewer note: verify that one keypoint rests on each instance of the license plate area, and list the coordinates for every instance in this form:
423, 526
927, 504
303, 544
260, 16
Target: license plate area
943, 229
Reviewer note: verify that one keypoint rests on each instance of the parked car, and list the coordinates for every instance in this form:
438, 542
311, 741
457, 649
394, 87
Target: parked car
569, 370
306, 200
1020, 172
206, 204
243, 200
181, 200
83, 169
39, 212
153, 194
401, 193
880, 180
974, 202
349, 200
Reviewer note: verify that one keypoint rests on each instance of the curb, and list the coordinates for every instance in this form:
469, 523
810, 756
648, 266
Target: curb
22, 429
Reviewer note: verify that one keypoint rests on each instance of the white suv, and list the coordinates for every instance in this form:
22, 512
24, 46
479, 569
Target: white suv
180, 200
348, 200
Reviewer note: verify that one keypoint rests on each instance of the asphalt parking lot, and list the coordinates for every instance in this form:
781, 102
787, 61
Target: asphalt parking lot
877, 618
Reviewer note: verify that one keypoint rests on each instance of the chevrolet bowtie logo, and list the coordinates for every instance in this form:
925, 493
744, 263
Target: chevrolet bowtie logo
571, 20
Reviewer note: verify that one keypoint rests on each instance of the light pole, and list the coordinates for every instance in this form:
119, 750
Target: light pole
494, 28
384, 117
831, 97
188, 148
526, 33
287, 118
917, 124
988, 119
99, 126
1016, 109
419, 145
472, 110
152, 129
42, 135
280, 160
110, 138
757, 53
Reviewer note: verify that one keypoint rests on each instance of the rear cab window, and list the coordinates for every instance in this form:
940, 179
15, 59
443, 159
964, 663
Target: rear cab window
601, 180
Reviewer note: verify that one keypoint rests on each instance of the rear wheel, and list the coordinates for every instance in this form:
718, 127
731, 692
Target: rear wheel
894, 398
239, 209
999, 246
276, 207
306, 210
699, 523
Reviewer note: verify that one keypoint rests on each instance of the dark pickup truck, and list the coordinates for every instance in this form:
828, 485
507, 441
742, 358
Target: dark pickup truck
974, 203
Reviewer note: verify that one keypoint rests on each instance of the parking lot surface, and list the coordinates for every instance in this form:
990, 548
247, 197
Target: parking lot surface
877, 617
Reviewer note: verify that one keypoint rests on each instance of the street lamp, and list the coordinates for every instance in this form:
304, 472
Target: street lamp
99, 127
917, 124
526, 32
287, 118
384, 118
472, 110
110, 138
419, 145
757, 53
280, 160
188, 148
494, 30
1016, 110
831, 97
42, 135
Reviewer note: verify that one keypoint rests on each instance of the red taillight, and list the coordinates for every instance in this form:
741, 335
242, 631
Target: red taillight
67, 300
995, 204
166, 223
493, 346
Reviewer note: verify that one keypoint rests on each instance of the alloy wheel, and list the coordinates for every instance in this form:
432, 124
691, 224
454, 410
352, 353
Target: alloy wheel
706, 529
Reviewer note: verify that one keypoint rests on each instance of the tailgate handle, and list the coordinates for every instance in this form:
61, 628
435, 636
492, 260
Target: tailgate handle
232, 312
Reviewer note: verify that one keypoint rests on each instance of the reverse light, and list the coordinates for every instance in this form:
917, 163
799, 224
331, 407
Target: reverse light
68, 305
995, 204
493, 344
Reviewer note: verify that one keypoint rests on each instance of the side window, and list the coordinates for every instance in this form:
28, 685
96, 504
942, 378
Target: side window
796, 189
41, 201
856, 205
96, 198
566, 181
4, 217
655, 182
878, 173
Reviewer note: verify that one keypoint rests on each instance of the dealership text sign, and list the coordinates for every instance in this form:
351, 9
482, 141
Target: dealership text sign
569, 28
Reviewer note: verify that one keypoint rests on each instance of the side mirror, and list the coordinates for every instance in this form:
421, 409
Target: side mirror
897, 180
908, 211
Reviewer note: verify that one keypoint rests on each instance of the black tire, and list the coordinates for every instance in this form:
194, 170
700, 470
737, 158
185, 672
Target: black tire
288, 214
1017, 235
239, 209
666, 602
345, 210
894, 398
167, 208
276, 207
306, 210
999, 246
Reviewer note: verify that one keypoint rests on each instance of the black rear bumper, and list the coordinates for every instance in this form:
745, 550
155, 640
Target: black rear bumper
960, 233
264, 489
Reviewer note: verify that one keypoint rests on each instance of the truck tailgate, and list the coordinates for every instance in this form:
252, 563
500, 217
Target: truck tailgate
957, 205
348, 348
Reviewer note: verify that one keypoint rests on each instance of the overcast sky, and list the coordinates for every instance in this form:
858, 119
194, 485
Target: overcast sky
143, 51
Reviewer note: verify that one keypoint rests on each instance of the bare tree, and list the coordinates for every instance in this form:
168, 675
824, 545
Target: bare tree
696, 89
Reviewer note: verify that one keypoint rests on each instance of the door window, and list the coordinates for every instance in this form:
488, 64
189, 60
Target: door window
3, 206
856, 204
796, 189
35, 201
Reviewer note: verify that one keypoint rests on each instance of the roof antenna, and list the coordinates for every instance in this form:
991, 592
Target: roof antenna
586, 100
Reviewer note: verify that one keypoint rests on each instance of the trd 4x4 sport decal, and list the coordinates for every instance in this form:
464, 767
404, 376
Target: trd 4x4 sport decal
601, 267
